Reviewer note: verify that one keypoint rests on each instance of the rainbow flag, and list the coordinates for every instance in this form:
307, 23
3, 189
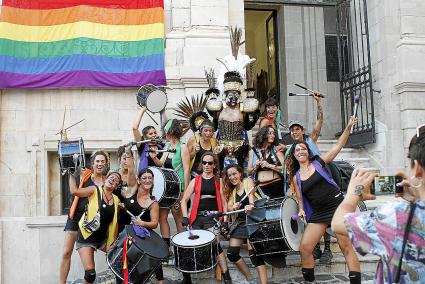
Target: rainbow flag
76, 43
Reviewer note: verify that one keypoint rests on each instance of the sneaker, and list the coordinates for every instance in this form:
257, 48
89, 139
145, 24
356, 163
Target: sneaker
253, 281
317, 253
326, 257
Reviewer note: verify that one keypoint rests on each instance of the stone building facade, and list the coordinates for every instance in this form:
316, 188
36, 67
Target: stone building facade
196, 34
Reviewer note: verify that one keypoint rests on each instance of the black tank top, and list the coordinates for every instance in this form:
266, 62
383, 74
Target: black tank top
196, 164
318, 191
134, 207
241, 216
106, 217
208, 188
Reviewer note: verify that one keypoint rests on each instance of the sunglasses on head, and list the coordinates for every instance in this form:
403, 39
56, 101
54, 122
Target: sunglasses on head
208, 163
420, 130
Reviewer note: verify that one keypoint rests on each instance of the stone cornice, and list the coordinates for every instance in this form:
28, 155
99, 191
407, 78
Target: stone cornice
410, 87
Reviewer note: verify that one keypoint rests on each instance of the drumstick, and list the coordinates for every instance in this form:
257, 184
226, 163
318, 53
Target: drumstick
145, 141
147, 112
246, 195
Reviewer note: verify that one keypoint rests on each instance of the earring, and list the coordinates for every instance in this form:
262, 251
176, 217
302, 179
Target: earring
419, 182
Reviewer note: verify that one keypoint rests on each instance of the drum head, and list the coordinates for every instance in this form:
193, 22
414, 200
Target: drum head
156, 101
193, 238
153, 246
293, 229
158, 183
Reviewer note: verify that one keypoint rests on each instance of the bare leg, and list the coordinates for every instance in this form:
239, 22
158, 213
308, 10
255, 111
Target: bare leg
68, 247
164, 227
349, 253
87, 258
261, 270
312, 234
240, 264
178, 217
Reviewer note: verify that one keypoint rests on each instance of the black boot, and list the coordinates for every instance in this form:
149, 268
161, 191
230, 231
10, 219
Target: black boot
317, 253
226, 277
186, 278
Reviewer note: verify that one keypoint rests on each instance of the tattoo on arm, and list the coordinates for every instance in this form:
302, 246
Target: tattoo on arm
319, 112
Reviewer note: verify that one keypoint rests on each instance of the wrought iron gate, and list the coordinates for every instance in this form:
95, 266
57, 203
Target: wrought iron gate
355, 70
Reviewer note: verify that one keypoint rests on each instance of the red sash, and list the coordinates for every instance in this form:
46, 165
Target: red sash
197, 190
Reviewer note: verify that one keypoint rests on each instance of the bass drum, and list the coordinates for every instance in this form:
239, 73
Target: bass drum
144, 255
152, 97
166, 186
274, 229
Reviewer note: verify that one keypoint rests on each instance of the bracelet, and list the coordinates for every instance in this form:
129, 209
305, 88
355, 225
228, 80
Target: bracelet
251, 204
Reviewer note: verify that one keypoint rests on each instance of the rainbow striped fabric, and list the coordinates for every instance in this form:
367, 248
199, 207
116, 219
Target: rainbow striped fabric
77, 43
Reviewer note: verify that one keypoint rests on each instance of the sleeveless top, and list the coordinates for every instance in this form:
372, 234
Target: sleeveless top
134, 207
176, 163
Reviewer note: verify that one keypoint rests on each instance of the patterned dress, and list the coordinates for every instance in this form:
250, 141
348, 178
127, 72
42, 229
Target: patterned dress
381, 231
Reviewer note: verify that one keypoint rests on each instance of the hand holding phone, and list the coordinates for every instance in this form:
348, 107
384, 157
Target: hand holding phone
383, 185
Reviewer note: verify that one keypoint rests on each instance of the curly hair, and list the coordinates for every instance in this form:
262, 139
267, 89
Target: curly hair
261, 136
292, 164
120, 152
228, 186
101, 153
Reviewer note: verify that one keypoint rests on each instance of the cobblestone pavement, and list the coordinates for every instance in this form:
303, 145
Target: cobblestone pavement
106, 278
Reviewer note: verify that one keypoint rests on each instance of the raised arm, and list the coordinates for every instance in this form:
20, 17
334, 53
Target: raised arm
318, 127
131, 179
136, 133
333, 152
80, 192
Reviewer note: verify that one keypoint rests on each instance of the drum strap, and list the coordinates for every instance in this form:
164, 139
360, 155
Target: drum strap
86, 175
124, 260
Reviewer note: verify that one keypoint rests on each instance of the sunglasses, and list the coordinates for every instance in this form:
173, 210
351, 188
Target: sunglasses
420, 130
208, 163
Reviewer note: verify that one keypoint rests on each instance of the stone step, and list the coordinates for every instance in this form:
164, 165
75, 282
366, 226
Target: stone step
276, 275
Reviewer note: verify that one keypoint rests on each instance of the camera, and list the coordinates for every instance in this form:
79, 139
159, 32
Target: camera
386, 185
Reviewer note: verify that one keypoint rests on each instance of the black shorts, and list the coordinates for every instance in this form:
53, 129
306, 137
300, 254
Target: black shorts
72, 224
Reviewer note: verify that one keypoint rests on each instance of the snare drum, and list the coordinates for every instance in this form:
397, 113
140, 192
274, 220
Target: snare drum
67, 150
271, 229
166, 186
195, 251
144, 255
152, 97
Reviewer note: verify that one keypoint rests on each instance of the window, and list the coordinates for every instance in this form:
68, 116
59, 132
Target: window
331, 46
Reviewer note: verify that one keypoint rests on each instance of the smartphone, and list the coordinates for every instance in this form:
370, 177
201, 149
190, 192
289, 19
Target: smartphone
386, 185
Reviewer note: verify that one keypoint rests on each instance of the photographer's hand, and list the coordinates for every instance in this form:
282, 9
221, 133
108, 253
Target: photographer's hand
409, 192
359, 187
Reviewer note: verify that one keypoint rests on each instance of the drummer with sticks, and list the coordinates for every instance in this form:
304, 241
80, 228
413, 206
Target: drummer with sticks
318, 196
147, 142
206, 189
139, 199
240, 193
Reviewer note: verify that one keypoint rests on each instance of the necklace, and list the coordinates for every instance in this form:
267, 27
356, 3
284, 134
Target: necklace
107, 199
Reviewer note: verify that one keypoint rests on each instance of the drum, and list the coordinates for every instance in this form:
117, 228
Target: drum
166, 186
195, 251
152, 97
271, 229
67, 150
361, 207
144, 255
